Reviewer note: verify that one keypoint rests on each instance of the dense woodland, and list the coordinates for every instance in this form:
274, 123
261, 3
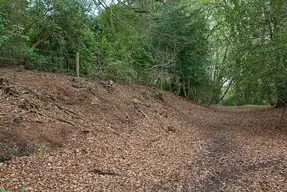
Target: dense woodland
226, 52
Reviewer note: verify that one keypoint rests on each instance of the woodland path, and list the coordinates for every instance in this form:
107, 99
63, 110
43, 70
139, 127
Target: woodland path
58, 133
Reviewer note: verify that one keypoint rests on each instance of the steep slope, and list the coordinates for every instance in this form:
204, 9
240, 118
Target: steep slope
66, 134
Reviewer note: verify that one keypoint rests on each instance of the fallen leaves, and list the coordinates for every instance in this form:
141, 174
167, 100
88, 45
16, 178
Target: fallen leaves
129, 140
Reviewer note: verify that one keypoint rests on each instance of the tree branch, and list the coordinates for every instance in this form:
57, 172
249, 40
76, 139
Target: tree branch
40, 40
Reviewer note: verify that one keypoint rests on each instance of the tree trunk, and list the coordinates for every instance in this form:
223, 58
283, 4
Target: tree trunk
282, 93
271, 100
15, 16
184, 87
281, 103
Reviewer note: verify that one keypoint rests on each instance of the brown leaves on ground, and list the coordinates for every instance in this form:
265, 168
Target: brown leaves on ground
58, 133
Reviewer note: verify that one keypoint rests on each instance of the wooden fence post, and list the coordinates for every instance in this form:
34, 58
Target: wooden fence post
78, 64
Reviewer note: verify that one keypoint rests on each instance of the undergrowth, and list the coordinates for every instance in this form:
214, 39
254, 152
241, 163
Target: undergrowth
21, 190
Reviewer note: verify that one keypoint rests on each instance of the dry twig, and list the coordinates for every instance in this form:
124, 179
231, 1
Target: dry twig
144, 115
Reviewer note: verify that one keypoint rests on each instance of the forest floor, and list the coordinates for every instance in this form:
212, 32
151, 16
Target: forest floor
59, 133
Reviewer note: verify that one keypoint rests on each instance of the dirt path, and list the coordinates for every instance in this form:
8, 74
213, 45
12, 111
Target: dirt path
224, 167
81, 136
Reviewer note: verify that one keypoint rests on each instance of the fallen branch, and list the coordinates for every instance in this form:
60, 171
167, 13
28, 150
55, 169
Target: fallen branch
59, 119
8, 90
65, 109
66, 121
144, 115
99, 172
3, 87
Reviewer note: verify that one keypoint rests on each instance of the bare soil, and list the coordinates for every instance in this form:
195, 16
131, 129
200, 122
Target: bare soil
59, 133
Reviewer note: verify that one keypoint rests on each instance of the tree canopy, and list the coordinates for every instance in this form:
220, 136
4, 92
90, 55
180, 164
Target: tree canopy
227, 52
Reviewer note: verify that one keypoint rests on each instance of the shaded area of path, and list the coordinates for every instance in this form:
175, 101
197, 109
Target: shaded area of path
240, 149
221, 166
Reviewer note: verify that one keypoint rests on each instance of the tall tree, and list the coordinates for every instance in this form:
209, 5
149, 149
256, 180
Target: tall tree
181, 31
123, 50
257, 32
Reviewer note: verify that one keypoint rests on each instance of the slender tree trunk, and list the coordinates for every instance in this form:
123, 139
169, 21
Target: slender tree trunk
281, 103
188, 89
282, 93
270, 99
15, 16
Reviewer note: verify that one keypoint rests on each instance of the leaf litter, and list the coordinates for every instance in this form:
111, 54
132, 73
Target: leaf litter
72, 134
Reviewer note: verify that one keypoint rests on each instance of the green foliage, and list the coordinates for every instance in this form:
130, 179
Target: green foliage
23, 189
181, 32
49, 61
48, 28
225, 52
254, 35
123, 50
9, 31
